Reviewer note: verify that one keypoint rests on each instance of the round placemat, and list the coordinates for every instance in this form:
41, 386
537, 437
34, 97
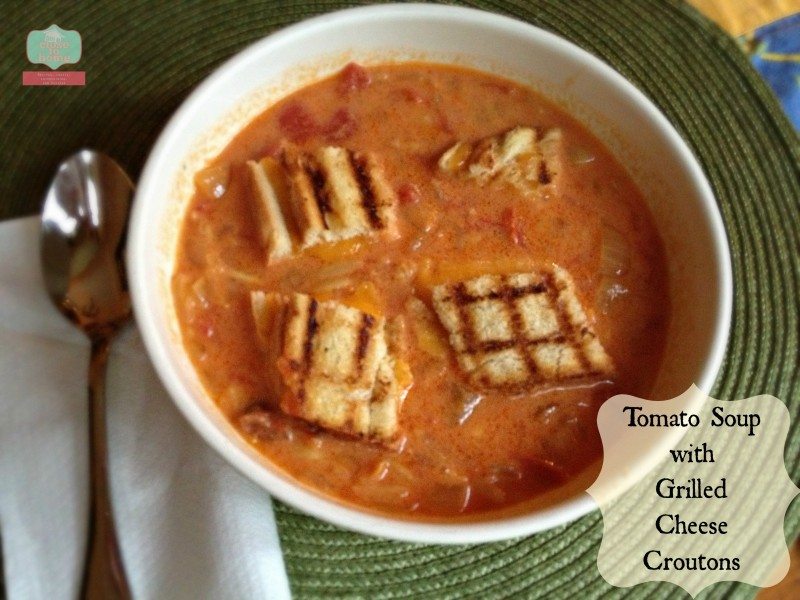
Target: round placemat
141, 58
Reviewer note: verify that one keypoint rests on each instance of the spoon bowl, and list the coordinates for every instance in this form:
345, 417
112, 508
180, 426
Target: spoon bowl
83, 238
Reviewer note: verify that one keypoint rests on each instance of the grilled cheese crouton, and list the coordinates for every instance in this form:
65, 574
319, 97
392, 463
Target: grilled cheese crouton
326, 195
340, 194
333, 364
520, 330
520, 157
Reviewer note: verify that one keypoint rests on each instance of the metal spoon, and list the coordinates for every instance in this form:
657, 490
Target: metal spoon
83, 236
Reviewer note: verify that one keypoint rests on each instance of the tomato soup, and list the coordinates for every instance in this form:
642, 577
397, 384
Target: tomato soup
463, 451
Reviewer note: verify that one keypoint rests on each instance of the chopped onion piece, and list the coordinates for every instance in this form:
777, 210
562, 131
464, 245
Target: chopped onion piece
505, 473
423, 217
468, 402
545, 413
400, 472
257, 424
404, 271
490, 491
607, 292
381, 470
579, 155
200, 289
243, 277
447, 499
382, 493
331, 271
330, 286
451, 477
234, 399
400, 445
212, 182
615, 253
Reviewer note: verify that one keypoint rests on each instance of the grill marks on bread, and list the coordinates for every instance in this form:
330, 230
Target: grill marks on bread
521, 157
324, 195
519, 331
336, 366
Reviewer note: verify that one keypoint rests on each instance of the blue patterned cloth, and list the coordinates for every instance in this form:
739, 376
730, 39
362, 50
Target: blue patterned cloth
775, 52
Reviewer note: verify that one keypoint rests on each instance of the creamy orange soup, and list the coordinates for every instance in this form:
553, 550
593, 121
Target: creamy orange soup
464, 452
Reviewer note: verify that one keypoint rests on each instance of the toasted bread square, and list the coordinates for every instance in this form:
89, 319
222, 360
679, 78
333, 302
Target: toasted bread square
333, 364
338, 194
520, 330
325, 195
520, 157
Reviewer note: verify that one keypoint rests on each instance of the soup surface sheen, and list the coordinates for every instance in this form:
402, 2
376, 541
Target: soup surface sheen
466, 453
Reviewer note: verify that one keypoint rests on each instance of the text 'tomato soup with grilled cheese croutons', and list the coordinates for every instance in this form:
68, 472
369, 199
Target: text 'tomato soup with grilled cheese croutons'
411, 286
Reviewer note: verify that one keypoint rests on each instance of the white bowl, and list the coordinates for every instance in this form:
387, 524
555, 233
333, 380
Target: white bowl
631, 127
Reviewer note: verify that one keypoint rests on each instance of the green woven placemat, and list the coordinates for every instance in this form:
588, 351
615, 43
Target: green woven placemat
141, 59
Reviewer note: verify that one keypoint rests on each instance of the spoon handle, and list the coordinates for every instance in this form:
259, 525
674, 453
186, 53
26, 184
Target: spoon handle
104, 575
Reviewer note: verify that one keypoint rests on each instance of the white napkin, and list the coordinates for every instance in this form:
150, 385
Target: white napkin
190, 526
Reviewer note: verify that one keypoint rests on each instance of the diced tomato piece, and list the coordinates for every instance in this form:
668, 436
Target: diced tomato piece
444, 122
341, 125
297, 123
412, 95
203, 206
408, 193
510, 221
270, 148
204, 326
500, 86
482, 222
353, 77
